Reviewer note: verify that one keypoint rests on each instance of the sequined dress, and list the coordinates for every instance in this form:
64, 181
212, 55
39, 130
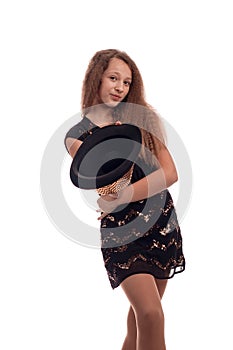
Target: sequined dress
142, 236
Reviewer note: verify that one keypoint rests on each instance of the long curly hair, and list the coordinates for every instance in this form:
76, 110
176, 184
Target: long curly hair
133, 109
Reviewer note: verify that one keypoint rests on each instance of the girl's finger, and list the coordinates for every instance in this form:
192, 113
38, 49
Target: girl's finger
102, 216
118, 122
114, 195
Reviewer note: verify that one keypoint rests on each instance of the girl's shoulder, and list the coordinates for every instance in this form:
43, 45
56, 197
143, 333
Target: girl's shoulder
80, 130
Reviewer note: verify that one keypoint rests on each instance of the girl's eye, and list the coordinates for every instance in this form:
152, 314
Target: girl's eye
127, 83
113, 78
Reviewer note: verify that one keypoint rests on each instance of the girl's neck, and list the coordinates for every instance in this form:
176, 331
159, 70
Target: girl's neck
100, 114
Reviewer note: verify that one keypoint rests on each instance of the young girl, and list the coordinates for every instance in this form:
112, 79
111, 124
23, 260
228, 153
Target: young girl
141, 257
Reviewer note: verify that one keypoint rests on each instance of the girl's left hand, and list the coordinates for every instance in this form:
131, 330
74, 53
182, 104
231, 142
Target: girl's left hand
107, 204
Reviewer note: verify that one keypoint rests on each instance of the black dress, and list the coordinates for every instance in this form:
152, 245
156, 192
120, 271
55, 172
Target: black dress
142, 236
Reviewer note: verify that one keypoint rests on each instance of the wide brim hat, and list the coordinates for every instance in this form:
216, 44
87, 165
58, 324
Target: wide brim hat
105, 159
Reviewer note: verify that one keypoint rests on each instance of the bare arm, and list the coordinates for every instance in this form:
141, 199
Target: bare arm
73, 145
148, 186
153, 183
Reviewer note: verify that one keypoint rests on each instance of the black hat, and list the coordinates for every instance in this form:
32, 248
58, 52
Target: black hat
106, 158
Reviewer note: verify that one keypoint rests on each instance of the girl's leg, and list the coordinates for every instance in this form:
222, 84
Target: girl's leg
131, 337
161, 285
144, 297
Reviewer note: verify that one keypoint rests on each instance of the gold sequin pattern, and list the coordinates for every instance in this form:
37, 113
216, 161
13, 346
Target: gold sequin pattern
158, 251
118, 185
172, 262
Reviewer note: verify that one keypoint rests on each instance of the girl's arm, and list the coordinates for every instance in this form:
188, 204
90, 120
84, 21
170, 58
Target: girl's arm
73, 145
153, 183
148, 186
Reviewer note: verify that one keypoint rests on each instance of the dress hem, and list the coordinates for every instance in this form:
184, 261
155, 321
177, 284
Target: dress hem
175, 272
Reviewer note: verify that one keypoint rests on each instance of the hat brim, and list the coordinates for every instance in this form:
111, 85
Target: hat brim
105, 156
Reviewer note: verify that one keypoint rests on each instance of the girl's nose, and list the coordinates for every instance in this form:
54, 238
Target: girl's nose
119, 87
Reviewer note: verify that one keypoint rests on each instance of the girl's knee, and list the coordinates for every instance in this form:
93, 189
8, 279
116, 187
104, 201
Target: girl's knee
150, 317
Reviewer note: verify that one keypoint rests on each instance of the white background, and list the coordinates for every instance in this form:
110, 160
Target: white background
54, 293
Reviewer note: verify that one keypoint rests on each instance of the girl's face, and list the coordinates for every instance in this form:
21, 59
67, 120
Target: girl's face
115, 83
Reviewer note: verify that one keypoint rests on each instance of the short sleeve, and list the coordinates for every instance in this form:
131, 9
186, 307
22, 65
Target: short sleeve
81, 130
77, 132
